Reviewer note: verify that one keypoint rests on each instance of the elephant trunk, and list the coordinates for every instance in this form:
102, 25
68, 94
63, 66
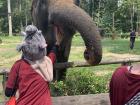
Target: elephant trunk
75, 18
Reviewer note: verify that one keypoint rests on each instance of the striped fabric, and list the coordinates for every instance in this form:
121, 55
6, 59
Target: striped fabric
135, 100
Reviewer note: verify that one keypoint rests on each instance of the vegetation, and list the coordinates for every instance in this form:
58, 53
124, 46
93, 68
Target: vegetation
84, 80
91, 80
112, 16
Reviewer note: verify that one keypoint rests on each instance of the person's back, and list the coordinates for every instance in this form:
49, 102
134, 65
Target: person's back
34, 71
33, 89
133, 34
124, 85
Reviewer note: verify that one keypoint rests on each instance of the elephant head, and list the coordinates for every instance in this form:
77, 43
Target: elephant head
68, 18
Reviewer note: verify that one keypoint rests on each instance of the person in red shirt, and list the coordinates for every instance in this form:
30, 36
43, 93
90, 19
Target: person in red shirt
125, 86
33, 71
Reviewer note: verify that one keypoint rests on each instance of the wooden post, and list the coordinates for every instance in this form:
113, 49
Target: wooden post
9, 17
124, 61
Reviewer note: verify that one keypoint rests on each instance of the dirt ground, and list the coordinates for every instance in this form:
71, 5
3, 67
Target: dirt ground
120, 56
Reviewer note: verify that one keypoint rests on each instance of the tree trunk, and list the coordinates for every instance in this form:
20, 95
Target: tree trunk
90, 7
113, 26
9, 17
26, 13
21, 25
99, 12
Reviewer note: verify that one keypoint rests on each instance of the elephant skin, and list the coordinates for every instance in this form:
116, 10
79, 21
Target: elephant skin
68, 18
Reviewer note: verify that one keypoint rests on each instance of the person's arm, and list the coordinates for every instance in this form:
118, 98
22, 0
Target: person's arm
55, 49
116, 87
52, 54
10, 85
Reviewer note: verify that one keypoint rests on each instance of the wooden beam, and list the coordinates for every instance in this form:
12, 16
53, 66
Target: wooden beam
90, 99
104, 62
85, 64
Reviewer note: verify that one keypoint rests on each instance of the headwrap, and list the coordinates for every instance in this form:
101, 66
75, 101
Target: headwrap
33, 50
34, 45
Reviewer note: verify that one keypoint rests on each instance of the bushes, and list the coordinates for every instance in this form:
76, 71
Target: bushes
81, 82
121, 35
125, 35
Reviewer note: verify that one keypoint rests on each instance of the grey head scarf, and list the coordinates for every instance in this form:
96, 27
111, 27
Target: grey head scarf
34, 45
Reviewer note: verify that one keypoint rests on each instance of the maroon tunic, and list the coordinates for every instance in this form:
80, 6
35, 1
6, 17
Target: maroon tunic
123, 86
33, 89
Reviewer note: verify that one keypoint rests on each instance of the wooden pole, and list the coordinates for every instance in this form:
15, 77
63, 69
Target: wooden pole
85, 64
9, 17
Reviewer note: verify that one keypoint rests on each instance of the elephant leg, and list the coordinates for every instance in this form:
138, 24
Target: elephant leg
63, 57
64, 51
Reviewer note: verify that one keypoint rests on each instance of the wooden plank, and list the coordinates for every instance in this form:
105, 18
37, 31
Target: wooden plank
85, 64
92, 99
103, 62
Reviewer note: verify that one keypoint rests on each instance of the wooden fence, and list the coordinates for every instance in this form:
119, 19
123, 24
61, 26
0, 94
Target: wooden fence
97, 99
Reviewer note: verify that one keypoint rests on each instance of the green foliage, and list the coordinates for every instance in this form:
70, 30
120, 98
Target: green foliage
85, 80
81, 82
20, 15
125, 35
127, 14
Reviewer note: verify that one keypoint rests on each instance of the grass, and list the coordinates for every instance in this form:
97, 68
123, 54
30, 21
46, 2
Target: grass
112, 49
9, 55
118, 47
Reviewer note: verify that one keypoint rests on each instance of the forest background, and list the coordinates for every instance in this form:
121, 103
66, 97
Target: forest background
111, 16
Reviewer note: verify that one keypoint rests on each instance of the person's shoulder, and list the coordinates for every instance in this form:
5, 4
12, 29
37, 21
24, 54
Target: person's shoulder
119, 73
19, 61
120, 70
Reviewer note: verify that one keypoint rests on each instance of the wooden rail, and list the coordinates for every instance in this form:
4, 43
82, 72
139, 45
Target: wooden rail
91, 99
106, 62
73, 100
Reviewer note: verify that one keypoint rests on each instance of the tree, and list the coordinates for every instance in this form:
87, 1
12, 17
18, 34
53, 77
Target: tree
9, 17
20, 12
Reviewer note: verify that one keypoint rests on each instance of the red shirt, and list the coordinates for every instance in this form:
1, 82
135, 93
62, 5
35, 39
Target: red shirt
33, 89
123, 86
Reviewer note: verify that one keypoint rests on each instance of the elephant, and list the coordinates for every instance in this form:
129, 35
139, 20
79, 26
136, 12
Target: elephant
68, 18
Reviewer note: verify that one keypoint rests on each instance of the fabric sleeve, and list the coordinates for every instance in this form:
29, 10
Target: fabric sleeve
113, 87
116, 87
12, 76
9, 92
52, 54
